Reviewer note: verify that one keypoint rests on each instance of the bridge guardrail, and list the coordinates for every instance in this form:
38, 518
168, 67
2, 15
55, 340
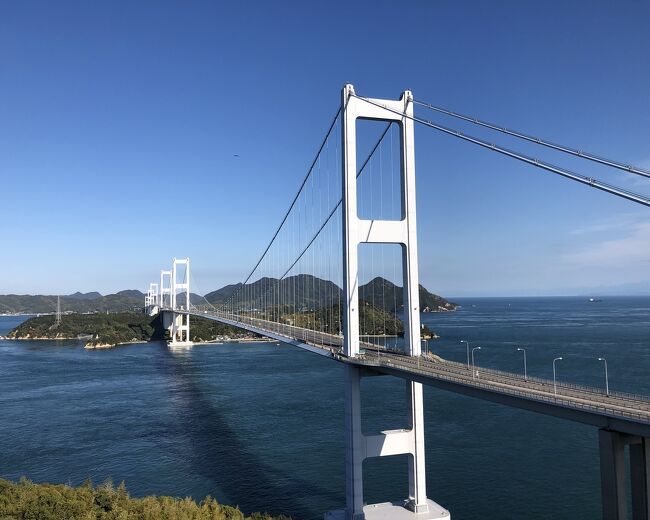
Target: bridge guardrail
568, 402
563, 384
578, 393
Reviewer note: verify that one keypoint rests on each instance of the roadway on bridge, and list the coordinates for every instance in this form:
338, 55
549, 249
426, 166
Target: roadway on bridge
627, 413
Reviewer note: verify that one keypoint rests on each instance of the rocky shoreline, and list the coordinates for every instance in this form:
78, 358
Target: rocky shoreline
105, 346
39, 338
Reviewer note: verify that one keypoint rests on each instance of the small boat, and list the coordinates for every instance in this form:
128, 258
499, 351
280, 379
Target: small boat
594, 300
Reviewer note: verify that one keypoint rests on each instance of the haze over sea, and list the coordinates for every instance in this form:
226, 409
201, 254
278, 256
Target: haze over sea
261, 425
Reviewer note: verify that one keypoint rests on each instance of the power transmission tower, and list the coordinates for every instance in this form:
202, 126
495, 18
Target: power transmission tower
58, 311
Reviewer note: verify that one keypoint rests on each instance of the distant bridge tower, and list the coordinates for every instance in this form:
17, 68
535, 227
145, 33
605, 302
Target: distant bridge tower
165, 295
356, 231
152, 299
180, 326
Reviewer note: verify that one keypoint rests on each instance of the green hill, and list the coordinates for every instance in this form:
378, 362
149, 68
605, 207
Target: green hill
78, 302
388, 296
114, 328
308, 292
222, 295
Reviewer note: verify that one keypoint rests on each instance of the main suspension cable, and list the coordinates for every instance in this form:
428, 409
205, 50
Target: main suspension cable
589, 181
520, 135
338, 204
331, 214
292, 205
293, 202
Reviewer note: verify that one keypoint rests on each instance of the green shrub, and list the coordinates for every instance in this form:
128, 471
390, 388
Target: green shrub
28, 501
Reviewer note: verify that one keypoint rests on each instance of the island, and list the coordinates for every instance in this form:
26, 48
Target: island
106, 330
315, 304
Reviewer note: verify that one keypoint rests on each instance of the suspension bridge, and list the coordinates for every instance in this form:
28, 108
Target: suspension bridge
342, 266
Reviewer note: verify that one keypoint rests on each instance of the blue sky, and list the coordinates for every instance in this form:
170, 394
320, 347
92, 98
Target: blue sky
108, 111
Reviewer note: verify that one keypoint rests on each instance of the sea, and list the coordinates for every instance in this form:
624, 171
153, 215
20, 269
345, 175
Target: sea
260, 425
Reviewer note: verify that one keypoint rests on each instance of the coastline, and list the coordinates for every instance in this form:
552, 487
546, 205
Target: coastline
105, 346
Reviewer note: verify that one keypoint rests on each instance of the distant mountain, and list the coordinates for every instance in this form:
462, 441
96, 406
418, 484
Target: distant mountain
89, 302
222, 295
195, 299
311, 293
307, 292
85, 296
386, 295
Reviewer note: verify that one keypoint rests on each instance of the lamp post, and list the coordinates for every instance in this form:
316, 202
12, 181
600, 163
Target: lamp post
426, 345
554, 383
473, 371
525, 369
606, 376
467, 343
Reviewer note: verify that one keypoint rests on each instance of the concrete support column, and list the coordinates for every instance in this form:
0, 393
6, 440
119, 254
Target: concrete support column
612, 475
639, 458
354, 445
167, 319
417, 467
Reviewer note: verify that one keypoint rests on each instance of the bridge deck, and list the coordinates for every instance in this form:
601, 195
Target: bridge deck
625, 413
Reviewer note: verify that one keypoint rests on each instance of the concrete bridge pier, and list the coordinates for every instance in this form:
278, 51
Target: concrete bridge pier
168, 321
178, 325
614, 479
180, 330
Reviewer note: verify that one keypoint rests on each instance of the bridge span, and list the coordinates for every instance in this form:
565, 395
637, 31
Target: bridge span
625, 413
623, 419
305, 291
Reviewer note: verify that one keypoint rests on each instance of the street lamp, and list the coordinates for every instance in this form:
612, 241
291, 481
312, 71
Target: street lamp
467, 342
473, 371
606, 377
426, 345
554, 383
525, 369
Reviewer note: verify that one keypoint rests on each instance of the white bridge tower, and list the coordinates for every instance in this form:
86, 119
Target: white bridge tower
356, 231
165, 295
152, 298
180, 326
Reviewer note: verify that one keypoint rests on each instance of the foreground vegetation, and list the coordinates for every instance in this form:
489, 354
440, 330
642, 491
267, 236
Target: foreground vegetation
28, 501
